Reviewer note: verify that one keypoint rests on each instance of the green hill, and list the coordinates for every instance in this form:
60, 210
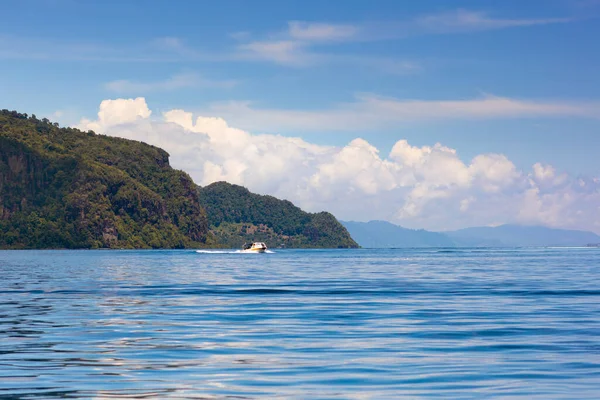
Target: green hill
63, 188
236, 216
60, 187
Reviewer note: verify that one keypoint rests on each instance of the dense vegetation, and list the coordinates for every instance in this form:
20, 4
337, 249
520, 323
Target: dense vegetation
64, 188
236, 216
60, 187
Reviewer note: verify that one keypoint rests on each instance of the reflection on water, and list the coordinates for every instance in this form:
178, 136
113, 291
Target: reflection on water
300, 324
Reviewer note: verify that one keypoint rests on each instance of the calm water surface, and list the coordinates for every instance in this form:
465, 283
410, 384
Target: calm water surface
330, 324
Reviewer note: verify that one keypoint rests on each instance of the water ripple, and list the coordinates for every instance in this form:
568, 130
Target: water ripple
460, 323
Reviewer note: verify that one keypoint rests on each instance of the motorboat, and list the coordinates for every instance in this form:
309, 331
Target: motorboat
258, 247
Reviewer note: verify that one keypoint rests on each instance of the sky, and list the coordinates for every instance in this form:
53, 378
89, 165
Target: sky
433, 114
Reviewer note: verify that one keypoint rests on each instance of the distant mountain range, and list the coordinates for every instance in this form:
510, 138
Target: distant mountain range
382, 234
517, 235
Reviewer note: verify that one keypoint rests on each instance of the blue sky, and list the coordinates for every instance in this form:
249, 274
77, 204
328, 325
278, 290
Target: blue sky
60, 54
518, 78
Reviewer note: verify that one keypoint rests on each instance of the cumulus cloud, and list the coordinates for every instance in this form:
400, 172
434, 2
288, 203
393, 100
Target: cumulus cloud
117, 112
421, 187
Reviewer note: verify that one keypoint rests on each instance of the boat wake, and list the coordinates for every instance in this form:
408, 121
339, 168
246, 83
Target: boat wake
214, 252
231, 252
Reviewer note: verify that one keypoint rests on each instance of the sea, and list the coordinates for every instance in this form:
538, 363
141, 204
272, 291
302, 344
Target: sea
301, 324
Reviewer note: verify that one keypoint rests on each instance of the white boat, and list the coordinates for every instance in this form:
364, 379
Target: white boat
258, 247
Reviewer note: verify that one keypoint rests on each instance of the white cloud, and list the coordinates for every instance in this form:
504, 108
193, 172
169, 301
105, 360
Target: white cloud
41, 48
317, 32
189, 80
467, 21
286, 52
543, 172
373, 112
240, 35
545, 176
293, 45
493, 172
296, 45
302, 44
421, 187
170, 43
117, 112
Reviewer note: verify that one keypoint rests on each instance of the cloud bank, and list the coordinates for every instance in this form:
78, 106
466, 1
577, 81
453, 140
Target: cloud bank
420, 187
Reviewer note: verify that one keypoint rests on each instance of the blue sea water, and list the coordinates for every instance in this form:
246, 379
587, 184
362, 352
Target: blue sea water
328, 324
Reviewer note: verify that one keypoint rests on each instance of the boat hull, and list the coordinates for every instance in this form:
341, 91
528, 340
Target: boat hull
257, 250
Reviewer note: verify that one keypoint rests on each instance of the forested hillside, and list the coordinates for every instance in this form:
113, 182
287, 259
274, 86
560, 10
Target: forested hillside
60, 187
236, 215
